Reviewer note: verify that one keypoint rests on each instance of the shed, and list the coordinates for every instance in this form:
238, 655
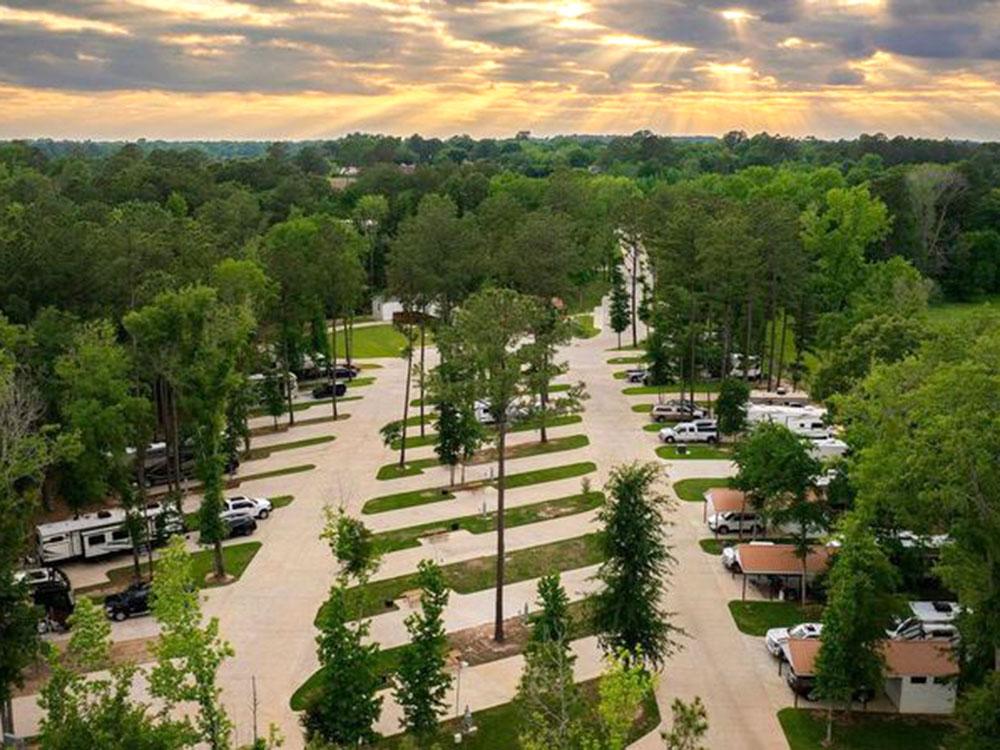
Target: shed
780, 561
919, 675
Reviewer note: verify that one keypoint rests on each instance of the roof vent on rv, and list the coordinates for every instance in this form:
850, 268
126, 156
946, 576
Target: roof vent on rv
104, 514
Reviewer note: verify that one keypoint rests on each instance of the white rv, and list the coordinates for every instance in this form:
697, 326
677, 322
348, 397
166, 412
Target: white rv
102, 533
802, 420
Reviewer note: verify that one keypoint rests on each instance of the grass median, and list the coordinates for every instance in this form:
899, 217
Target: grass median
302, 406
646, 390
524, 450
693, 490
756, 618
469, 576
805, 729
264, 451
392, 541
696, 452
417, 441
399, 500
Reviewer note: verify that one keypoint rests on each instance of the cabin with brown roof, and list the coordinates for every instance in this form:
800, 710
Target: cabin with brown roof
779, 563
919, 675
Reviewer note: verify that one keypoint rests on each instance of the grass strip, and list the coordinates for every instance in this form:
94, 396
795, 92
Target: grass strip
583, 326
270, 429
303, 405
360, 382
805, 729
469, 576
646, 390
236, 558
400, 500
581, 625
498, 727
397, 539
638, 360
552, 474
416, 441
276, 473
255, 454
697, 452
693, 490
712, 546
756, 618
524, 450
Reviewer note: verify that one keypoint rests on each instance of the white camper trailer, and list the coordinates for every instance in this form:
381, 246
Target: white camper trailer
102, 533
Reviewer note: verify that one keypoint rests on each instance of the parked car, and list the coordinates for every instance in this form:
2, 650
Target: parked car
675, 411
51, 591
929, 620
326, 390
239, 523
637, 375
698, 431
734, 521
258, 507
805, 686
729, 559
132, 601
778, 637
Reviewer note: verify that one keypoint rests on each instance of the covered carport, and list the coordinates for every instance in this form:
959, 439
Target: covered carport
779, 561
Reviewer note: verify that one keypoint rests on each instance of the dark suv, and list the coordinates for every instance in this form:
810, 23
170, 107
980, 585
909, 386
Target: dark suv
326, 390
132, 601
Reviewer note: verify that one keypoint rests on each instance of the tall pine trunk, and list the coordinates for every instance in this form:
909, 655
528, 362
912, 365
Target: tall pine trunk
635, 282
406, 395
333, 369
498, 634
746, 347
781, 347
286, 374
423, 343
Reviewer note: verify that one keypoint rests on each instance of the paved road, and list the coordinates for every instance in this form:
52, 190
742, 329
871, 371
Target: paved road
268, 614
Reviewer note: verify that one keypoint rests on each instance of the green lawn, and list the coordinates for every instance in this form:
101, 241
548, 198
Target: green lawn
653, 427
696, 452
806, 729
416, 441
477, 574
303, 405
236, 558
498, 727
646, 390
627, 360
276, 473
267, 450
693, 490
551, 474
756, 618
581, 626
712, 546
372, 341
399, 500
524, 450
583, 326
642, 408
397, 539
360, 382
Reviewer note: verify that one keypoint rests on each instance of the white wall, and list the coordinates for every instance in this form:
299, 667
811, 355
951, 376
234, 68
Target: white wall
926, 698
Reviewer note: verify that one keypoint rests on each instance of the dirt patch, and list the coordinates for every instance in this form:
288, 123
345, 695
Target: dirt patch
134, 651
476, 645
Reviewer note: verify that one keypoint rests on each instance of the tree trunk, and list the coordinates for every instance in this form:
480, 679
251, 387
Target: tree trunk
781, 348
175, 432
423, 332
770, 358
348, 339
635, 282
543, 399
220, 565
406, 397
6, 718
746, 347
498, 635
802, 592
829, 726
288, 385
333, 369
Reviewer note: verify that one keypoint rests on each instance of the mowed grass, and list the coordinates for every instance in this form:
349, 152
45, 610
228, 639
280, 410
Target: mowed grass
236, 558
693, 490
756, 618
397, 539
479, 573
806, 730
302, 406
583, 326
399, 500
418, 441
698, 452
581, 625
276, 473
712, 546
266, 450
646, 390
369, 342
498, 727
627, 360
524, 450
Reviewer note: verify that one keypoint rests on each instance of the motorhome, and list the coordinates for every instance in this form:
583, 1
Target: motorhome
827, 448
928, 620
806, 421
157, 468
102, 533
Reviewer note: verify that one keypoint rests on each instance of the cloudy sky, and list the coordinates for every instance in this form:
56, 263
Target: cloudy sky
318, 68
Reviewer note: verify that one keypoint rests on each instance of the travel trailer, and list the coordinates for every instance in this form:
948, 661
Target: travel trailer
102, 533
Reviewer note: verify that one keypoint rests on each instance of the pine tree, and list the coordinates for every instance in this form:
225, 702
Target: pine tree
421, 680
619, 307
690, 722
628, 612
548, 698
731, 406
346, 705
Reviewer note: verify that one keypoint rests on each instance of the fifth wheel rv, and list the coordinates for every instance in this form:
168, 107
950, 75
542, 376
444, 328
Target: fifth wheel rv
102, 533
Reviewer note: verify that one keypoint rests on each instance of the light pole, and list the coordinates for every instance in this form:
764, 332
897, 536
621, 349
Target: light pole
458, 686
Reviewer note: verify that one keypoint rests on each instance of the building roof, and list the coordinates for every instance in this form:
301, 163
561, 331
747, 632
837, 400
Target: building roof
780, 559
931, 658
724, 499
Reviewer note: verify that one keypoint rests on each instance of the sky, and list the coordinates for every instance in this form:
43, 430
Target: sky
300, 69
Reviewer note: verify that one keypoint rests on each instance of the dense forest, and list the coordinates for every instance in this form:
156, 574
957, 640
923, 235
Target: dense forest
140, 285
